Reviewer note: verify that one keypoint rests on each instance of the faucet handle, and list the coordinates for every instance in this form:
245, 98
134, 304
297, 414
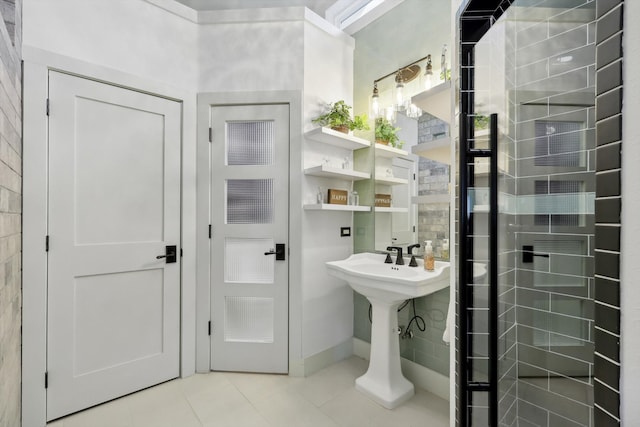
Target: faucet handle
410, 248
399, 260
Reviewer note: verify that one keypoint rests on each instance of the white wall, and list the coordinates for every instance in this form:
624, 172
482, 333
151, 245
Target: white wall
327, 310
288, 49
630, 250
135, 37
245, 56
408, 32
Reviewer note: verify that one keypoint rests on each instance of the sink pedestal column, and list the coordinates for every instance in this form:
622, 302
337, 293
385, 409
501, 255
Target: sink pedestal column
384, 382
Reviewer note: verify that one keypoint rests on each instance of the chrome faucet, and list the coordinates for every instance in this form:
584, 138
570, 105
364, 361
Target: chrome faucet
399, 260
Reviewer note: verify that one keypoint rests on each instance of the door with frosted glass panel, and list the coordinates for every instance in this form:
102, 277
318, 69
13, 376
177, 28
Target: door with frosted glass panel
249, 241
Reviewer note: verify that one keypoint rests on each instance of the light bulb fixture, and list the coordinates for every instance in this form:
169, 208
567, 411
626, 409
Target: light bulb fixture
399, 92
403, 75
443, 64
413, 111
428, 74
375, 101
390, 114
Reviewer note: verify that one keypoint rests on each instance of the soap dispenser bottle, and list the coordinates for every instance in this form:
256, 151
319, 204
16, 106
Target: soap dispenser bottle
429, 261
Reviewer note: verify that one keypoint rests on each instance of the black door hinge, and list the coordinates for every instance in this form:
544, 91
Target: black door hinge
414, 228
46, 380
47, 106
210, 134
46, 243
414, 176
209, 328
180, 252
210, 230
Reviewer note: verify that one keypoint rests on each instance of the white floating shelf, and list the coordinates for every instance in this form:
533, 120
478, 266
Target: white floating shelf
329, 172
385, 180
337, 139
391, 209
438, 150
330, 207
431, 198
435, 101
389, 152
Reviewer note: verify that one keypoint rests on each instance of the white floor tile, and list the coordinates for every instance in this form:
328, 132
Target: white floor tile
288, 409
328, 383
111, 414
198, 383
209, 404
256, 387
244, 416
325, 399
353, 409
172, 414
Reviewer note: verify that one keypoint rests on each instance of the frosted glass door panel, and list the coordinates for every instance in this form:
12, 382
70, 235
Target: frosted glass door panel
249, 201
248, 319
245, 261
250, 143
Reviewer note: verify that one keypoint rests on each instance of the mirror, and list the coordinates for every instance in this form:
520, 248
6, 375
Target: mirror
417, 186
408, 32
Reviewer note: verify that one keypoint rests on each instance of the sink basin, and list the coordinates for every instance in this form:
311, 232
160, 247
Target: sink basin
368, 275
386, 286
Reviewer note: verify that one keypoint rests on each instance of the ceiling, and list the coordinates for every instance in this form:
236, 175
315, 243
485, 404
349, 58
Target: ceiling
318, 6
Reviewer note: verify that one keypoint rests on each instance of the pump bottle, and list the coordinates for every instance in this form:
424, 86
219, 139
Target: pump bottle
429, 260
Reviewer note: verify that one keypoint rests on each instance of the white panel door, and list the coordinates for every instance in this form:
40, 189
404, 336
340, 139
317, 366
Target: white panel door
249, 211
114, 207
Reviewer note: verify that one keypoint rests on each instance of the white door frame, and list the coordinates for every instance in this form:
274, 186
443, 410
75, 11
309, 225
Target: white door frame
37, 64
203, 309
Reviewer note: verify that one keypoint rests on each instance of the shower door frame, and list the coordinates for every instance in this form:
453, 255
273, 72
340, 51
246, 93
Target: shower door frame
474, 19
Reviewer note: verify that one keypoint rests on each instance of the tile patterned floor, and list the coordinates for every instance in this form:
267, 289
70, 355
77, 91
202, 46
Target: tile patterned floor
327, 398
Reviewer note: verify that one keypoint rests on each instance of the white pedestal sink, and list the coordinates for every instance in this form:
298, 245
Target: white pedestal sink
386, 286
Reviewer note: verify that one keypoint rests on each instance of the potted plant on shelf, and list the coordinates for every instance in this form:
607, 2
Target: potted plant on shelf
339, 118
386, 133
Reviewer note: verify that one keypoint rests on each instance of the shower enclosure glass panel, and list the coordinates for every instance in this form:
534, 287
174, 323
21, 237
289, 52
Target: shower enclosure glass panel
535, 69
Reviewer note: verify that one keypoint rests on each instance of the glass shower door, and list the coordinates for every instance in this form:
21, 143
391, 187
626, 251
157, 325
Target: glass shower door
534, 71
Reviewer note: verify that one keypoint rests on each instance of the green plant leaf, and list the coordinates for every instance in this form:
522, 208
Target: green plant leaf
339, 114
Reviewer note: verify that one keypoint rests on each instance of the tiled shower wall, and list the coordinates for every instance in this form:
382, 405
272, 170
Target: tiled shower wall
599, 266
10, 211
609, 89
553, 103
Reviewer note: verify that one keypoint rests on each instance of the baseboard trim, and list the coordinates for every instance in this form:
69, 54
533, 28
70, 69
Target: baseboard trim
425, 378
312, 364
